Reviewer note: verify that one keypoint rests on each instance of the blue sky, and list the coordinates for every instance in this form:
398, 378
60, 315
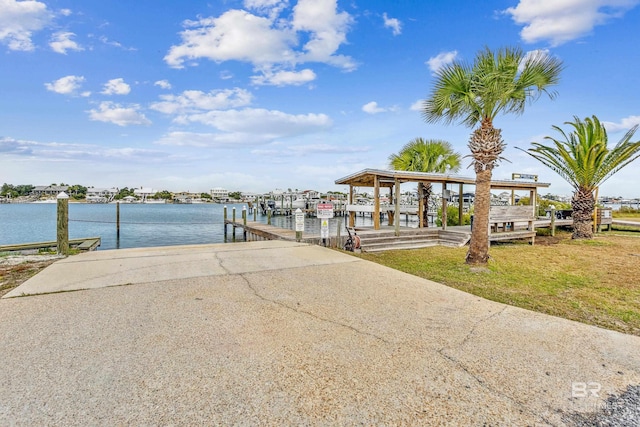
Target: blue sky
254, 95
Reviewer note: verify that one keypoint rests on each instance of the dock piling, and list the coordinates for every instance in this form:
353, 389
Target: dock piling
244, 222
233, 224
63, 224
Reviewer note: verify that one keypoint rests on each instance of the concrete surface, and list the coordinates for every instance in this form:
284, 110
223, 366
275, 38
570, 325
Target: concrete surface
280, 333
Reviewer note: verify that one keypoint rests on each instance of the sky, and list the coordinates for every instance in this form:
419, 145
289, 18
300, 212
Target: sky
255, 95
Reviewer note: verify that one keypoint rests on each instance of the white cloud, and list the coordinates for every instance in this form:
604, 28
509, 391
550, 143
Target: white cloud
441, 60
65, 12
393, 23
269, 41
325, 149
68, 85
417, 106
19, 20
106, 41
560, 21
111, 112
624, 125
327, 28
373, 108
283, 78
235, 35
246, 127
116, 87
61, 42
164, 84
55, 151
192, 101
269, 124
271, 8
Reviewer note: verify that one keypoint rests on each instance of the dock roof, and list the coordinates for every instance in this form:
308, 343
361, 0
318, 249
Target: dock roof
387, 178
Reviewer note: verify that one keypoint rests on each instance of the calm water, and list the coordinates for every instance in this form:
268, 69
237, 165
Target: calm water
141, 225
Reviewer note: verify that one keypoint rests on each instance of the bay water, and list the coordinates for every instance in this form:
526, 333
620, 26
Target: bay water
141, 225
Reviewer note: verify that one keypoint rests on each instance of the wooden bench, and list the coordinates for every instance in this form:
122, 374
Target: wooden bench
511, 222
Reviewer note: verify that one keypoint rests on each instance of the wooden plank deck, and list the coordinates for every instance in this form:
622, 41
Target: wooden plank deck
85, 244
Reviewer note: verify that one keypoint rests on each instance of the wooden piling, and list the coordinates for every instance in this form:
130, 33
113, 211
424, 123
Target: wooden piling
63, 224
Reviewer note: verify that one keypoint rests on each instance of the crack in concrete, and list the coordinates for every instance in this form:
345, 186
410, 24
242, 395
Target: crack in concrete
315, 316
480, 322
523, 407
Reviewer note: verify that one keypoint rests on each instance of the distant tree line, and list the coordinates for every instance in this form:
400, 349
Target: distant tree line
12, 191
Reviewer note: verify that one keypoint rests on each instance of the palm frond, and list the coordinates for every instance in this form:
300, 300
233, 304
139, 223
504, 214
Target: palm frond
582, 156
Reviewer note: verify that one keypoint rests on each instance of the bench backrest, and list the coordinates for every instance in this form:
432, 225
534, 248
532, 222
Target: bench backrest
519, 212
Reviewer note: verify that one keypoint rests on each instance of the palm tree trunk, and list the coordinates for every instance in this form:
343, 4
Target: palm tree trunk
486, 145
479, 245
426, 191
583, 204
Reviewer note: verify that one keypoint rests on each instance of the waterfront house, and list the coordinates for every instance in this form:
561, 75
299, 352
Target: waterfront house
48, 190
219, 194
142, 193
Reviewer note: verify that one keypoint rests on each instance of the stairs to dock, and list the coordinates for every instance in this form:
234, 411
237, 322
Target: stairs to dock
412, 239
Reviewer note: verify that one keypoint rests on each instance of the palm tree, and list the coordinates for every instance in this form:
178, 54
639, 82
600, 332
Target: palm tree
500, 82
583, 159
419, 155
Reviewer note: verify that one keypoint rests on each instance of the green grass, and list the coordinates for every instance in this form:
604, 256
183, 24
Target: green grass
591, 281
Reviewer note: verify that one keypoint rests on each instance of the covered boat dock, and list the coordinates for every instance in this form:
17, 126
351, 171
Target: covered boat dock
392, 179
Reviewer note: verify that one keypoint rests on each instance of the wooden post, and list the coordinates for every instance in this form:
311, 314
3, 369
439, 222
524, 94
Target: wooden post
420, 205
244, 222
255, 213
268, 216
595, 213
233, 223
460, 205
376, 203
552, 225
224, 216
63, 224
444, 206
117, 220
396, 221
352, 214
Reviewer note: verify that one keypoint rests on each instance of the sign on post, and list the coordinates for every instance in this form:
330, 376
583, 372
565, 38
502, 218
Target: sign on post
324, 210
324, 229
299, 220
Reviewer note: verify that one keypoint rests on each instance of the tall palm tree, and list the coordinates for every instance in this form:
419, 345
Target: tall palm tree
419, 155
500, 82
584, 160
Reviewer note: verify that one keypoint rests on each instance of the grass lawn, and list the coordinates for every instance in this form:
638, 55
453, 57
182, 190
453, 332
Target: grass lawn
592, 281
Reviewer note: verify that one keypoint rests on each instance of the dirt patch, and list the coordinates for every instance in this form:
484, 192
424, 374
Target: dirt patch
548, 240
15, 270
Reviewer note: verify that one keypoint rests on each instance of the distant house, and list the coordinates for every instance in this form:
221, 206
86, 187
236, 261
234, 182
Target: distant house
311, 194
48, 190
101, 195
142, 193
220, 194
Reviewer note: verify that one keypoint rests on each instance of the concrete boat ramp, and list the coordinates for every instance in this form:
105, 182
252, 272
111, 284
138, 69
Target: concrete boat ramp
282, 333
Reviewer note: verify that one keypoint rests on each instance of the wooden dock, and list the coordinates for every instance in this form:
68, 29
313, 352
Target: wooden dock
84, 244
257, 231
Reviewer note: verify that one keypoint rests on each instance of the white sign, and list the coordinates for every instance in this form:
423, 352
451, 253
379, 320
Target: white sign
299, 220
325, 210
324, 229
